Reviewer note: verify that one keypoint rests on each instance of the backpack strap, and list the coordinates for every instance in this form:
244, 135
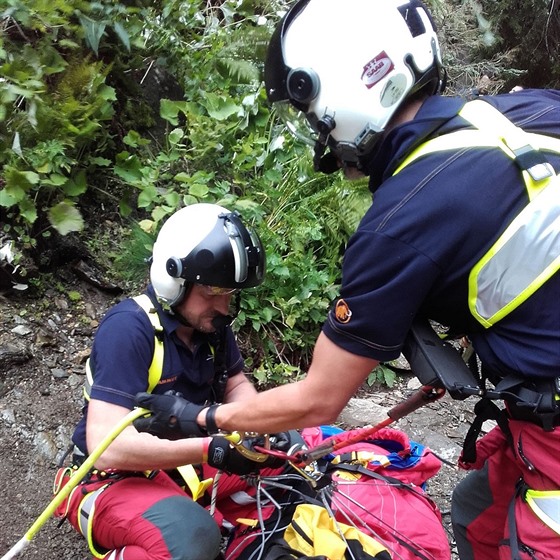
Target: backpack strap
156, 367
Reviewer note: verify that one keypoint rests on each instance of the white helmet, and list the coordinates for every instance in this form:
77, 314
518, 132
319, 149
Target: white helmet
348, 65
204, 244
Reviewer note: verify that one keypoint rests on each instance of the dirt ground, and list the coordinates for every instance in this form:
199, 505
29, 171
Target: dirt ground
43, 346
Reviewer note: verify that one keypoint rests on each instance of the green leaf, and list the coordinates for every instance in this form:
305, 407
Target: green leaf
220, 107
93, 31
148, 195
175, 136
65, 217
122, 35
199, 190
169, 110
76, 185
172, 199
55, 179
182, 177
28, 210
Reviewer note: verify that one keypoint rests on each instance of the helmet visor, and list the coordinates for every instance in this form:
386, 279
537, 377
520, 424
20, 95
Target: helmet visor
296, 122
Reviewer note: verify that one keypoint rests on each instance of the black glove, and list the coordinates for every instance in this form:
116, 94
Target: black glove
173, 417
224, 456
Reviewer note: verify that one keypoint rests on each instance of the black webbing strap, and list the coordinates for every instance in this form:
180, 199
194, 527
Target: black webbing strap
484, 410
512, 525
280, 550
220, 367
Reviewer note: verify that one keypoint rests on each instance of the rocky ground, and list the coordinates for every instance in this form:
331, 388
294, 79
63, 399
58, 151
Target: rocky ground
43, 346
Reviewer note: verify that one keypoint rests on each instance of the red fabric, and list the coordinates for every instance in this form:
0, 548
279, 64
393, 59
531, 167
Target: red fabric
505, 467
394, 515
403, 519
118, 515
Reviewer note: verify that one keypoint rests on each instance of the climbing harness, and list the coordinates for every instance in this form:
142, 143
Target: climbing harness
527, 253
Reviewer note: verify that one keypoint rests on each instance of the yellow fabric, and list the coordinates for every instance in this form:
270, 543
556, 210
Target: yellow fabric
156, 367
324, 536
196, 486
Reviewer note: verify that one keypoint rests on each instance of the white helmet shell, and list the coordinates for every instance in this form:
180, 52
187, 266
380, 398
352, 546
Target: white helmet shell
350, 64
205, 244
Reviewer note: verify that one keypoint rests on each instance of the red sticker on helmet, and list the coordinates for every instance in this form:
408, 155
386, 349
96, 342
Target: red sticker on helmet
342, 311
376, 69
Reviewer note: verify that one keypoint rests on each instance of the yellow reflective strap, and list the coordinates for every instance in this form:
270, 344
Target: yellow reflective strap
493, 130
512, 269
86, 511
156, 367
546, 506
196, 486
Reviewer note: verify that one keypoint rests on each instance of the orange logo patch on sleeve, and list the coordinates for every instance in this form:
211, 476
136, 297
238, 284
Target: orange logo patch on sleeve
342, 311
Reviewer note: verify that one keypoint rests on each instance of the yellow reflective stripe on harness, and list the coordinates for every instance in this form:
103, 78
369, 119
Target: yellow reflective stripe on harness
546, 506
527, 253
86, 511
513, 268
156, 367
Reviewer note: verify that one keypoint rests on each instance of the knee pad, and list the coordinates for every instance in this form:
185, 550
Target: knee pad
188, 530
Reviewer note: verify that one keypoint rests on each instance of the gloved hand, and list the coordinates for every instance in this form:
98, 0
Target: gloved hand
224, 456
173, 417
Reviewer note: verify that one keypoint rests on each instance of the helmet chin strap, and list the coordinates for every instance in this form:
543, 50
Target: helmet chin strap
325, 163
222, 321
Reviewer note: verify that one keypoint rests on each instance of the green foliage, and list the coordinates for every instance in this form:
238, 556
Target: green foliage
382, 374
529, 32
77, 124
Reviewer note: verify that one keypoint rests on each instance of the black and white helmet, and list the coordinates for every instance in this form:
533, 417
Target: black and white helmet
205, 244
338, 70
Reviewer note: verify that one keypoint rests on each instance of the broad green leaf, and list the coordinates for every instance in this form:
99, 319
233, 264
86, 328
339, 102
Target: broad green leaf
65, 217
101, 162
55, 179
147, 196
172, 199
188, 200
175, 136
199, 190
182, 177
28, 210
220, 107
122, 35
22, 180
169, 110
77, 184
147, 225
8, 199
93, 31
129, 169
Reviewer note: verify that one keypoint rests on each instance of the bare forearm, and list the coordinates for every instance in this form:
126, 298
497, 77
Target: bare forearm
333, 377
139, 452
282, 408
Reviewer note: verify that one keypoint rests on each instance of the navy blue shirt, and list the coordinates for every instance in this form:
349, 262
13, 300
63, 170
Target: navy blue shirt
428, 226
123, 350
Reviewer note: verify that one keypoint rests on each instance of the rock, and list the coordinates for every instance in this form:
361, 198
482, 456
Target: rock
362, 412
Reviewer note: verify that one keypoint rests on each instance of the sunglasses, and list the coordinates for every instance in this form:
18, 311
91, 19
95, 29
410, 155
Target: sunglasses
217, 290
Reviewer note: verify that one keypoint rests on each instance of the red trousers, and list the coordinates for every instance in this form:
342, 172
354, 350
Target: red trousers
481, 502
139, 518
